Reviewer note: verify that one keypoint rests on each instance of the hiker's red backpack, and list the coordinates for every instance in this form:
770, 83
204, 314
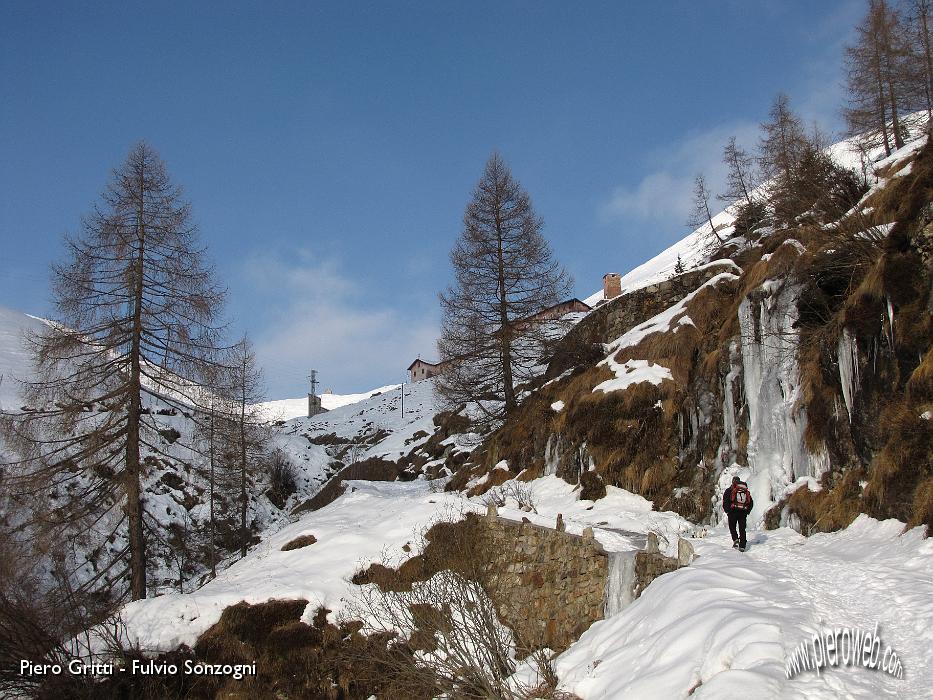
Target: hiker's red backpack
741, 498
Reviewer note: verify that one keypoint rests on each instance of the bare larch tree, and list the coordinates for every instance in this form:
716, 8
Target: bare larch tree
881, 70
920, 40
741, 179
136, 312
700, 214
505, 272
245, 391
782, 141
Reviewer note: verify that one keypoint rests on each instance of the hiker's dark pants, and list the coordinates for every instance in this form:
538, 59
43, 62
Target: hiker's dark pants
738, 517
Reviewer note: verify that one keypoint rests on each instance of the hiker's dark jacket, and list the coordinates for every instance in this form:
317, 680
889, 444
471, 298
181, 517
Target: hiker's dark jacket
727, 500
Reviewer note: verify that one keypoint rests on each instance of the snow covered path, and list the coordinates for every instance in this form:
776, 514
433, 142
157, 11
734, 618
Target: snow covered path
723, 627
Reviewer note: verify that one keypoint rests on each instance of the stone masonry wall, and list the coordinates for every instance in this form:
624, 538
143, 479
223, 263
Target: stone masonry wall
552, 584
617, 316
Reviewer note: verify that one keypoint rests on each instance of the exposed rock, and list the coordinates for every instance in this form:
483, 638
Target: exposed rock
299, 542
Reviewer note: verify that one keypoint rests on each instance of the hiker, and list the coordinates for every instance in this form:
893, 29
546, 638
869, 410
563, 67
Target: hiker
737, 503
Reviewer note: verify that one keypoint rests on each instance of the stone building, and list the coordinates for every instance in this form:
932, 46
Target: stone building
422, 369
557, 311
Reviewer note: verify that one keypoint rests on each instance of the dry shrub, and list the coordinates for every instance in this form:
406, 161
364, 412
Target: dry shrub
454, 599
904, 197
657, 478
675, 350
233, 639
518, 491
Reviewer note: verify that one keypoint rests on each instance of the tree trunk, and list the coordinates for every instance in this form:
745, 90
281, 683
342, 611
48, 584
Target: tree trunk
927, 60
884, 120
505, 335
712, 227
134, 509
882, 109
213, 528
243, 538
895, 122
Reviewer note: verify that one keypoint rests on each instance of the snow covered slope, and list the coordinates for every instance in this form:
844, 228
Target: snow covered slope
355, 530
376, 424
286, 409
15, 362
720, 628
175, 480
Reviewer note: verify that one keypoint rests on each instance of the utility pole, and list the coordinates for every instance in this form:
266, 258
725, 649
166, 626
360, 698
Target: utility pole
314, 401
403, 398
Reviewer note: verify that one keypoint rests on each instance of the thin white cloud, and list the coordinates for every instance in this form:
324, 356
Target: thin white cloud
664, 195
319, 316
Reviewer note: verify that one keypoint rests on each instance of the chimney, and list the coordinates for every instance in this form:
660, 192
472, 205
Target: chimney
612, 285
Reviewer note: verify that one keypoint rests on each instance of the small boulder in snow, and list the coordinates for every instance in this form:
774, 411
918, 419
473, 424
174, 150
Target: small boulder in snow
299, 542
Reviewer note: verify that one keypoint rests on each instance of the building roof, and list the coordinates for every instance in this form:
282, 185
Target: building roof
566, 302
424, 362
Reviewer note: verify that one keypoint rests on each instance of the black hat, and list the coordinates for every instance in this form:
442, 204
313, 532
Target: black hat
736, 480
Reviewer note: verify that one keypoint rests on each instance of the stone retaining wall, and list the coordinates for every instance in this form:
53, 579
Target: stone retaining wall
552, 584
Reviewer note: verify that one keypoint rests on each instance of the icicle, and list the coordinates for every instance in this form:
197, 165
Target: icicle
551, 452
728, 401
890, 322
848, 369
618, 594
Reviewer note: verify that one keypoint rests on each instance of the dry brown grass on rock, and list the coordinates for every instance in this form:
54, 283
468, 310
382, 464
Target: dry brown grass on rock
299, 542
902, 466
923, 504
920, 384
832, 508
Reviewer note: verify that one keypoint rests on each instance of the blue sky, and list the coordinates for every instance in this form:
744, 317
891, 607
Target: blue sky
329, 149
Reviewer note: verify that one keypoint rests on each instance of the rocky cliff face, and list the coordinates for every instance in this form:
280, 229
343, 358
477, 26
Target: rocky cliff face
802, 361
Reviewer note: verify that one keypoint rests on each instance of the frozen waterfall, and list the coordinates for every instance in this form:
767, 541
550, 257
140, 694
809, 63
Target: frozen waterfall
776, 423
